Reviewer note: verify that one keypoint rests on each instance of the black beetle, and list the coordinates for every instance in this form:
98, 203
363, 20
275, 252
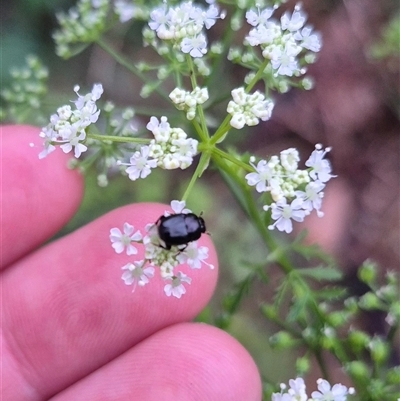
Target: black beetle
180, 229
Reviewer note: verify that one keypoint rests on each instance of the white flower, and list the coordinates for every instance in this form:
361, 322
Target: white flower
282, 397
295, 21
178, 96
320, 168
176, 288
248, 109
264, 35
312, 197
170, 146
290, 159
283, 60
207, 18
296, 392
257, 18
67, 127
125, 10
160, 129
120, 240
284, 214
179, 207
283, 43
308, 39
196, 46
211, 16
49, 135
140, 165
167, 270
160, 17
297, 389
263, 178
194, 256
73, 139
87, 112
188, 101
338, 392
183, 24
136, 274
200, 95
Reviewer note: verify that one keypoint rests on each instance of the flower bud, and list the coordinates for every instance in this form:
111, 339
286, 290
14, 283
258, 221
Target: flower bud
269, 311
302, 365
282, 340
328, 341
310, 335
392, 278
358, 340
367, 272
351, 304
337, 319
359, 370
394, 312
223, 320
379, 350
369, 301
393, 375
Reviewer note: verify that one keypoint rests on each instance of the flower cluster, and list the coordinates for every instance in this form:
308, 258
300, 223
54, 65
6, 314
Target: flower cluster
295, 192
83, 24
28, 86
126, 10
283, 42
187, 101
67, 127
326, 392
183, 25
170, 149
157, 255
248, 109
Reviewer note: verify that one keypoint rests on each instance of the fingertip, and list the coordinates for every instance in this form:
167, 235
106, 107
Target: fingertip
187, 361
39, 196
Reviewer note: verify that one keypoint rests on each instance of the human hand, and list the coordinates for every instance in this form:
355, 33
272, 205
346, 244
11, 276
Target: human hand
71, 330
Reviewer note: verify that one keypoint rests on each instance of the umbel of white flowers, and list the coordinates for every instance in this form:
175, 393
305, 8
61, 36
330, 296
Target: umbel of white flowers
157, 257
67, 128
295, 192
326, 392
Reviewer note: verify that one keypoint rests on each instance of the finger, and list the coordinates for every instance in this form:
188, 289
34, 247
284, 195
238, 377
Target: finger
187, 361
38, 196
66, 311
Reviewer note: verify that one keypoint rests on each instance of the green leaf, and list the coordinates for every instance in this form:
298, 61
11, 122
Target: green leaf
330, 293
321, 273
281, 291
298, 309
309, 251
233, 300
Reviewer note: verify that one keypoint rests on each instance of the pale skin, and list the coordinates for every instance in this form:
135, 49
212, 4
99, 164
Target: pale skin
71, 329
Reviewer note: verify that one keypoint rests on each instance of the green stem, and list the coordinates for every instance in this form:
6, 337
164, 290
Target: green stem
204, 160
191, 71
257, 77
200, 131
322, 365
222, 130
232, 159
199, 107
130, 67
113, 138
251, 208
225, 126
